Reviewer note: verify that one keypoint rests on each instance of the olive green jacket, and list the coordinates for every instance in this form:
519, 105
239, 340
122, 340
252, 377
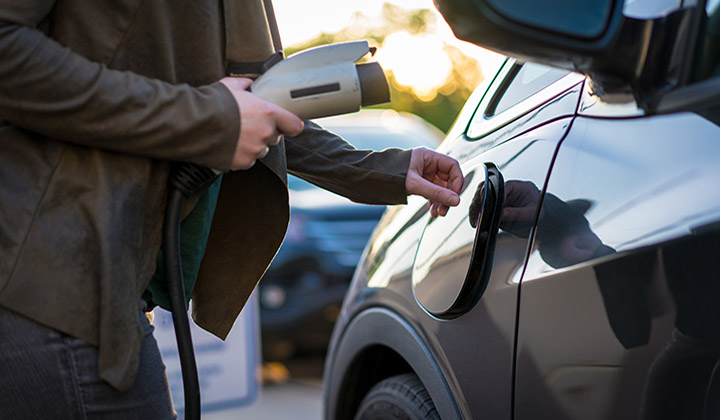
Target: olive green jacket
96, 99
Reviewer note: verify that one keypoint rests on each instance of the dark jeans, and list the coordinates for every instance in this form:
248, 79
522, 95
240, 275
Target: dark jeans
45, 374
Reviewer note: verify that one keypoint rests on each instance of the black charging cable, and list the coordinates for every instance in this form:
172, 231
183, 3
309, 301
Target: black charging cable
186, 179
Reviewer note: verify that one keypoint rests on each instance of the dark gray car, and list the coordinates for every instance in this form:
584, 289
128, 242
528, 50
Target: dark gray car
579, 278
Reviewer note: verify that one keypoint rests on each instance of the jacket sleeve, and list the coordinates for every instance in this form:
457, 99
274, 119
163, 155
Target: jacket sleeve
364, 176
51, 90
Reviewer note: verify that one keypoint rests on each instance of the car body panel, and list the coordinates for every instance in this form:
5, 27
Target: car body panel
592, 326
603, 297
397, 334
487, 330
384, 276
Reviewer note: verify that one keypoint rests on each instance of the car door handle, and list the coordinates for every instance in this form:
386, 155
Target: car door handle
484, 215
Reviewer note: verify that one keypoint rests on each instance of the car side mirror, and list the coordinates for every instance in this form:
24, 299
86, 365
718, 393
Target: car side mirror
587, 19
564, 33
623, 56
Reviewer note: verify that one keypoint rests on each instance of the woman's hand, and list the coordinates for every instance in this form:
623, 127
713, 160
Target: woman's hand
436, 177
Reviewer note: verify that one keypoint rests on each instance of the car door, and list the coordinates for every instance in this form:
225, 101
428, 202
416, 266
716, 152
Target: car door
619, 313
469, 308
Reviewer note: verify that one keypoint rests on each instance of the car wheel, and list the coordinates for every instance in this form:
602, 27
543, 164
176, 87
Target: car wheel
401, 397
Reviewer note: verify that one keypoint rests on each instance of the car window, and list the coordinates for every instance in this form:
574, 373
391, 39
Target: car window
708, 65
529, 79
517, 89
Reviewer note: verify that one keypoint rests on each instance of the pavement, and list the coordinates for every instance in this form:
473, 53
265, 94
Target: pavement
297, 397
294, 399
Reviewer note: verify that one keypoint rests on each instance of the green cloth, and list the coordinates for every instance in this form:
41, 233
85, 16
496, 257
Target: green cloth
194, 231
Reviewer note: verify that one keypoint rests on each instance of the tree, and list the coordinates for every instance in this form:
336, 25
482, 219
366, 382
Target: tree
427, 76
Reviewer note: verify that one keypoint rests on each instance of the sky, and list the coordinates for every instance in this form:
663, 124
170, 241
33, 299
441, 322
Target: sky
301, 20
415, 61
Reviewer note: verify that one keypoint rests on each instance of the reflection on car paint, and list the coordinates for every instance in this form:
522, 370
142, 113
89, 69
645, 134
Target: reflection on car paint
629, 279
603, 298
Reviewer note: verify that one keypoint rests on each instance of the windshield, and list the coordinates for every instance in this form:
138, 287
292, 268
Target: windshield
297, 184
363, 138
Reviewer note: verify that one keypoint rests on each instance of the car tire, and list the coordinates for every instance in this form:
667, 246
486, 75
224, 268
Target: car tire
401, 397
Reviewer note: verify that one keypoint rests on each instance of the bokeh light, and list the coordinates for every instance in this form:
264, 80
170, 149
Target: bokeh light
416, 61
430, 72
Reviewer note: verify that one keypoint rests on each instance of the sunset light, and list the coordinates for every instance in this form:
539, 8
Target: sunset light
430, 72
416, 61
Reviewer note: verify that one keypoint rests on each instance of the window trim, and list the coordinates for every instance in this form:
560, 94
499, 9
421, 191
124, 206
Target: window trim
481, 124
510, 76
